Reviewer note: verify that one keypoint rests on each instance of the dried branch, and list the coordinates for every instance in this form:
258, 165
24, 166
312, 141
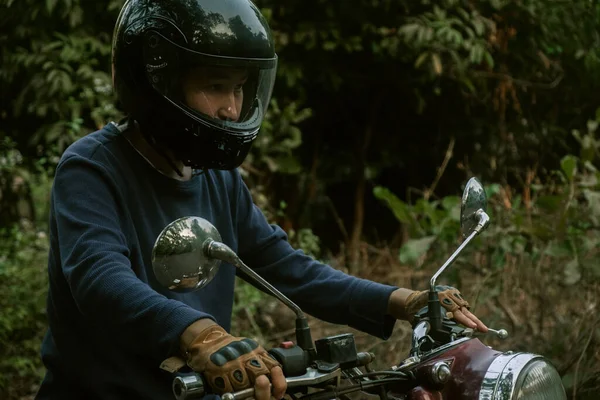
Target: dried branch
589, 339
509, 313
521, 82
253, 323
338, 220
441, 169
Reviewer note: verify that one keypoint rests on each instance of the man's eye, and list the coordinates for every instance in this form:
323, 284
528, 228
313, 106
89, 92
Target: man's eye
238, 88
212, 87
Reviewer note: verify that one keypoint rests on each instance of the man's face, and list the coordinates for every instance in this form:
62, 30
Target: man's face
216, 92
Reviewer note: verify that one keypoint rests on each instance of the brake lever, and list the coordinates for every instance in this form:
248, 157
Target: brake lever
500, 333
241, 395
312, 377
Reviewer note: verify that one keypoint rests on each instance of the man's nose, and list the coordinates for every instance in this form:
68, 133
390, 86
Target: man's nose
228, 109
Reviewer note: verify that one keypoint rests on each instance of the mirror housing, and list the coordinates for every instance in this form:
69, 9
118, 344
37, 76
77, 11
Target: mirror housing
473, 200
179, 258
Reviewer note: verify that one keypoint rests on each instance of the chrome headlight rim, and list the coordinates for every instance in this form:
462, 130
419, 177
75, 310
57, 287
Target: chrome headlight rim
505, 374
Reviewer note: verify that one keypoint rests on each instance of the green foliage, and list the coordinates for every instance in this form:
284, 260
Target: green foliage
424, 222
414, 249
498, 57
23, 276
10, 156
56, 65
455, 35
23, 186
23, 279
279, 138
559, 219
306, 240
245, 309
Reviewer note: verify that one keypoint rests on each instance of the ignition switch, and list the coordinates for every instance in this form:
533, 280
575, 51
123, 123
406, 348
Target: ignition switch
440, 373
434, 376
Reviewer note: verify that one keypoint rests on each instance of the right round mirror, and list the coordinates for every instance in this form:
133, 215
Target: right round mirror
473, 200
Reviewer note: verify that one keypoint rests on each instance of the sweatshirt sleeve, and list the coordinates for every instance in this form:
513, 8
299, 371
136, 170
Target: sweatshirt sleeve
94, 255
318, 289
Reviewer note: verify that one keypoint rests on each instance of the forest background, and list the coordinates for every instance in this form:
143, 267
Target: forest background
382, 110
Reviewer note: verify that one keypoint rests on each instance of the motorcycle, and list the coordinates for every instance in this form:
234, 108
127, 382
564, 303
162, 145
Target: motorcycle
446, 360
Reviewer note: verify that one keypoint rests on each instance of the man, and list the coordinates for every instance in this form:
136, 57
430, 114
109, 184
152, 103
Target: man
195, 78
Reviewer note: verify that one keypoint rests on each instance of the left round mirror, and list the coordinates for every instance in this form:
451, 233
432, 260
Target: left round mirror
178, 257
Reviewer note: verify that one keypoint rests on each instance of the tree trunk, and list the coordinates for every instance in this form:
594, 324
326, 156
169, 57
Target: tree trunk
359, 207
359, 194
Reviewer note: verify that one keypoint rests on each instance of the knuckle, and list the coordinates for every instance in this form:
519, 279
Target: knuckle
262, 382
276, 370
282, 385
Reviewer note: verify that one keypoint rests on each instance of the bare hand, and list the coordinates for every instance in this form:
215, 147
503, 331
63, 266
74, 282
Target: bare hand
404, 303
262, 386
465, 317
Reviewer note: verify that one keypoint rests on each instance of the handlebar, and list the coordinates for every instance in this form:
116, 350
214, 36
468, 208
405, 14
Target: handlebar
337, 359
324, 374
186, 387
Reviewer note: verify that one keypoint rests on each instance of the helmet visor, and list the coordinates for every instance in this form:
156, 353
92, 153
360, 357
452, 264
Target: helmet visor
227, 93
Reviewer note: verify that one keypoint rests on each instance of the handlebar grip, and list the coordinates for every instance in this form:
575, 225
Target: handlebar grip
188, 386
293, 360
191, 386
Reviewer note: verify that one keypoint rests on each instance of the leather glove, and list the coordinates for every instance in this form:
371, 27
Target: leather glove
450, 299
228, 363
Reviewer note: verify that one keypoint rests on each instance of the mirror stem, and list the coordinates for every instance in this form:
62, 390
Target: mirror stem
450, 260
484, 219
221, 251
434, 310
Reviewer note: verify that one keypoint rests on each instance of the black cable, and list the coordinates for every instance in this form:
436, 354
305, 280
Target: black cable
387, 373
328, 394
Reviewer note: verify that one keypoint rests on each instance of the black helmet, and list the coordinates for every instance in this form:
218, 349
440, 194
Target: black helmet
171, 56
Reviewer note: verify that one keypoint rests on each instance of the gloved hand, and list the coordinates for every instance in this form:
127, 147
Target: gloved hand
231, 363
405, 303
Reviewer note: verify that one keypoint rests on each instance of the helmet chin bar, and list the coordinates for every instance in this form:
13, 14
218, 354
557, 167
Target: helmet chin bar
194, 142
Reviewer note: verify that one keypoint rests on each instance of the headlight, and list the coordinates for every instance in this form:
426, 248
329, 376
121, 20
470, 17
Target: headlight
521, 376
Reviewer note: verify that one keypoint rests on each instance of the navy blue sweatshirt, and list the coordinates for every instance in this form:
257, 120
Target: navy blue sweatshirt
110, 322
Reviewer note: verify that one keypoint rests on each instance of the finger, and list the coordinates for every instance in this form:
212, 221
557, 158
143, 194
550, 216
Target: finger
480, 325
279, 383
262, 388
461, 318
